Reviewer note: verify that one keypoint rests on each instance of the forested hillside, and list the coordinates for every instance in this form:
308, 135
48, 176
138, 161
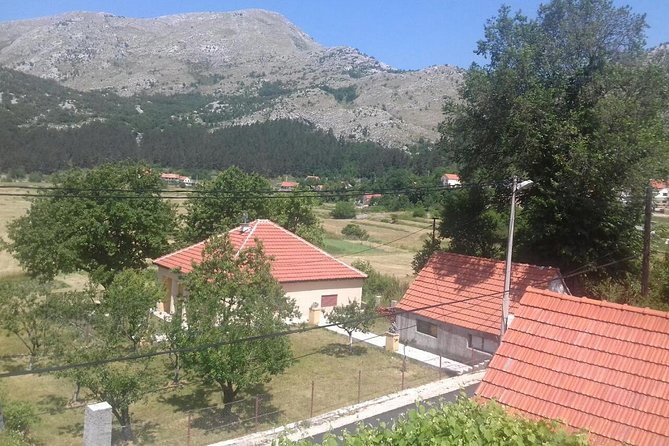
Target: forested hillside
47, 127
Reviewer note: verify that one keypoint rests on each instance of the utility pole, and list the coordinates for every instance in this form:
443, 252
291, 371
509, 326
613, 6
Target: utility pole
434, 229
645, 263
509, 251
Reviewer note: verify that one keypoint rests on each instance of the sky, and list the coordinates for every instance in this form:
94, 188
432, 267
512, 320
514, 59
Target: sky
406, 34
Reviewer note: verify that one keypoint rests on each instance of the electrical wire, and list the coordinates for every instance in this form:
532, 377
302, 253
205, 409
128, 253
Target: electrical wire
272, 335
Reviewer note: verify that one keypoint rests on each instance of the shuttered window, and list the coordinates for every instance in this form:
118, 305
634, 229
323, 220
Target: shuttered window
329, 300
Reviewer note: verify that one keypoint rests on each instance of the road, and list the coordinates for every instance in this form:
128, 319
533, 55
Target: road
390, 416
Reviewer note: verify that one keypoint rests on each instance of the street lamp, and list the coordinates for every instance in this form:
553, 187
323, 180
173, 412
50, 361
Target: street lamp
509, 249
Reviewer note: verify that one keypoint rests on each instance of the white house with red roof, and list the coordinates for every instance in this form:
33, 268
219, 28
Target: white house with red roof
307, 273
450, 180
454, 306
591, 364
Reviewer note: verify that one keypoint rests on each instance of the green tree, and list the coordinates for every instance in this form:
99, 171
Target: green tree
570, 101
26, 309
462, 422
220, 204
295, 212
128, 302
100, 221
232, 296
430, 246
119, 327
343, 210
352, 317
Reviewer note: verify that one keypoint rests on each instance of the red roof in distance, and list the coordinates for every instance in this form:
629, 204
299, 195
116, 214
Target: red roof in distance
449, 278
294, 259
592, 364
451, 176
289, 184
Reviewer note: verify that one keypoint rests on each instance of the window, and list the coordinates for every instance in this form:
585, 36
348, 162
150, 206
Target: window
329, 300
427, 328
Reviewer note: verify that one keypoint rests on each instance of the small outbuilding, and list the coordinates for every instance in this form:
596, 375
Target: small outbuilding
454, 306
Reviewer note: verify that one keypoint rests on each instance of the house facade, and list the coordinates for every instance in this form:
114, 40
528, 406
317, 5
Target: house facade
450, 180
307, 274
454, 306
591, 364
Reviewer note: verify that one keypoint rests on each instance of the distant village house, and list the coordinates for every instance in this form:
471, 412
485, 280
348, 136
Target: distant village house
450, 180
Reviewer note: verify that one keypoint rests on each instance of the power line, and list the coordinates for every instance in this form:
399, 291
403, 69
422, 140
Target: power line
265, 336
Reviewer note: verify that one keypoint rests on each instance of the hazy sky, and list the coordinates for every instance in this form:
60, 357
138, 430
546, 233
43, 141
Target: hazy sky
407, 34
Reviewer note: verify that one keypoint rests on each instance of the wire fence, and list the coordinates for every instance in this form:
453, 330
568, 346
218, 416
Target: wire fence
267, 410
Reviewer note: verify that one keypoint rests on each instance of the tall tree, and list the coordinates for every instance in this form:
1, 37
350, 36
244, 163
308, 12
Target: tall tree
220, 204
232, 296
100, 221
570, 101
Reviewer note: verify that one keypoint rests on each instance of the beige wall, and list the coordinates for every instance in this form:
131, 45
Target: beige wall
304, 293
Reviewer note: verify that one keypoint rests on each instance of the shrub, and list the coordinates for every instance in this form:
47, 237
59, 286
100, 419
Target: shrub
343, 209
419, 212
377, 284
352, 230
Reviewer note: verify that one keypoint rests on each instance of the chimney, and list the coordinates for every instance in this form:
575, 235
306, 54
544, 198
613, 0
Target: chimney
245, 223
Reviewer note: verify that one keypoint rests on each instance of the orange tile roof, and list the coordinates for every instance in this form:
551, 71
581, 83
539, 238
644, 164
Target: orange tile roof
593, 364
448, 278
289, 184
295, 259
451, 176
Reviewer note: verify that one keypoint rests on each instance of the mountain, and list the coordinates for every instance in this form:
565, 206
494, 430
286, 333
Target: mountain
250, 56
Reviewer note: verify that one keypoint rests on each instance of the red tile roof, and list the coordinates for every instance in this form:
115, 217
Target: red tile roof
451, 176
448, 278
594, 365
295, 259
289, 184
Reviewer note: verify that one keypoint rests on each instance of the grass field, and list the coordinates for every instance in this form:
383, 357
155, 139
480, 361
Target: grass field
164, 417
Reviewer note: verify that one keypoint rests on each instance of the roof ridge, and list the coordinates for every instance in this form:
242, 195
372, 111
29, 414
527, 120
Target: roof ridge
315, 247
495, 261
599, 303
248, 237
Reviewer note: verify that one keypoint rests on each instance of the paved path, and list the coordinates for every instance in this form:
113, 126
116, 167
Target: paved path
347, 416
411, 352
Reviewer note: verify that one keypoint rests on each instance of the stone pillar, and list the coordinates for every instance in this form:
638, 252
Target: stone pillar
98, 425
315, 315
392, 342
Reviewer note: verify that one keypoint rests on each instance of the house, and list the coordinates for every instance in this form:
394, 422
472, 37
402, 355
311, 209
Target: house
367, 199
464, 294
592, 364
308, 274
450, 180
186, 181
170, 178
288, 186
661, 193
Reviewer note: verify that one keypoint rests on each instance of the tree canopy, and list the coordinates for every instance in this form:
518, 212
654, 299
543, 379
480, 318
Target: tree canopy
568, 100
463, 422
233, 296
100, 221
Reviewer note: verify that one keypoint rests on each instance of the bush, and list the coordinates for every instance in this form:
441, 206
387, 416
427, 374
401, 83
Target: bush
419, 212
377, 284
343, 209
352, 230
19, 417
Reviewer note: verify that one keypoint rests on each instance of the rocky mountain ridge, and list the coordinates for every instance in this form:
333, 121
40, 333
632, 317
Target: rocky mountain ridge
244, 54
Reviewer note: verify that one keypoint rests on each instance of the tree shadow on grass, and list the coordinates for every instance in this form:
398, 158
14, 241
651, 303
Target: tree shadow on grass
144, 432
53, 404
342, 350
240, 414
74, 430
183, 400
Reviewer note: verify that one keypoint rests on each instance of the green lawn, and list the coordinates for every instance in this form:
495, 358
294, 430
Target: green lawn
164, 417
338, 247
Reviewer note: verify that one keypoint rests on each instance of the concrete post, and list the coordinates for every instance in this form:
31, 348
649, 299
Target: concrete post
392, 342
98, 425
315, 315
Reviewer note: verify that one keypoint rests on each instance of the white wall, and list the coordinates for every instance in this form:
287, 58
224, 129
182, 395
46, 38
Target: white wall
306, 293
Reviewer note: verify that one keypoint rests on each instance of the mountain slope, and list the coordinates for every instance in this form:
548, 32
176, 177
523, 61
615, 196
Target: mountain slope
252, 53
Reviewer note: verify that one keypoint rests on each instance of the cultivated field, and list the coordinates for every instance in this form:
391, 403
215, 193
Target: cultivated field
10, 208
